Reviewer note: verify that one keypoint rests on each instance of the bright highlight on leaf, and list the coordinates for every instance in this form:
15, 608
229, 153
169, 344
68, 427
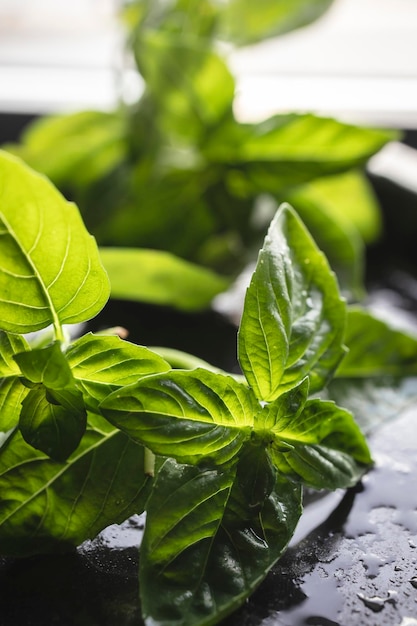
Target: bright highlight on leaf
50, 271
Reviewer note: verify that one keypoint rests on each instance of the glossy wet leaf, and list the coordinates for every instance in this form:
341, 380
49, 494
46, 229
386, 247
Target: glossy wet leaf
161, 278
326, 447
50, 272
103, 363
192, 415
348, 198
293, 319
47, 506
376, 349
193, 526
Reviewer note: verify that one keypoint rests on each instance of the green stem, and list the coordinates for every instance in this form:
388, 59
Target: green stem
149, 463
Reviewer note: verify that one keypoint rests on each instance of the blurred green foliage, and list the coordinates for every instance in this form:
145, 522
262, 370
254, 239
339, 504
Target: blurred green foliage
176, 171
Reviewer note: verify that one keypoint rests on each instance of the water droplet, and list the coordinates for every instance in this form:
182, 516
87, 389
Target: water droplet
413, 581
376, 603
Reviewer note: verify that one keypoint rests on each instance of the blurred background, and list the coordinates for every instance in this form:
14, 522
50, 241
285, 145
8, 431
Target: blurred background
358, 61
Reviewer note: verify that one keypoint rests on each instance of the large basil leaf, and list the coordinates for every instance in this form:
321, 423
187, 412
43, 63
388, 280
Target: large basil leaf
161, 278
50, 271
47, 506
293, 319
205, 549
322, 445
191, 415
103, 363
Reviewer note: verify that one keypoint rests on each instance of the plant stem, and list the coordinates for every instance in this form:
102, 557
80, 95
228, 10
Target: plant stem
149, 463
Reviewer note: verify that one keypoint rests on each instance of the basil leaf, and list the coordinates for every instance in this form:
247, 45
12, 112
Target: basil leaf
288, 150
46, 506
101, 364
161, 278
376, 349
326, 448
91, 144
46, 365
12, 392
285, 409
50, 271
199, 559
244, 22
191, 415
53, 423
293, 318
182, 77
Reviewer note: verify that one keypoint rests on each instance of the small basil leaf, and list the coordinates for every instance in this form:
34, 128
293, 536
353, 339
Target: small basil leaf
55, 427
47, 506
159, 277
293, 318
200, 559
327, 450
285, 409
193, 416
101, 364
46, 365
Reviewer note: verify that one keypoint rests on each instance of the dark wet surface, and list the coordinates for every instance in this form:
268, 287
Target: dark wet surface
355, 561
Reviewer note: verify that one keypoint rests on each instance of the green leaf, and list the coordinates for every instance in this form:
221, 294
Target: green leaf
10, 345
47, 506
244, 22
326, 448
74, 149
53, 423
160, 277
50, 271
349, 199
285, 409
101, 364
288, 150
194, 416
46, 365
12, 391
293, 318
376, 349
341, 213
199, 561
